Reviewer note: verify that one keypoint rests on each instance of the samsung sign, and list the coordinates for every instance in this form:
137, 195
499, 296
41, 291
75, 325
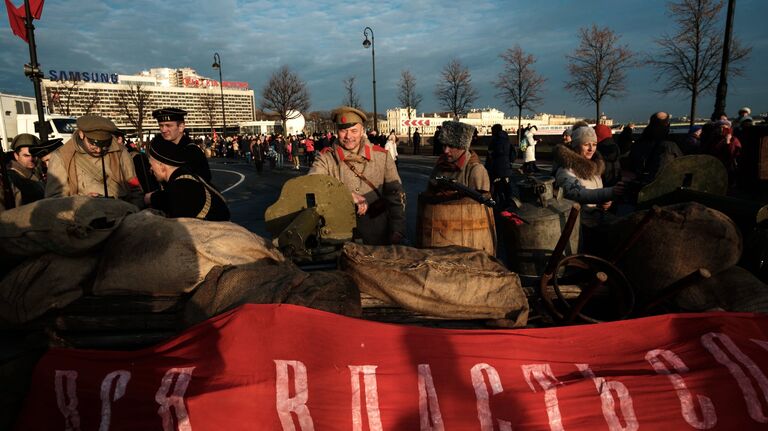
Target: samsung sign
65, 75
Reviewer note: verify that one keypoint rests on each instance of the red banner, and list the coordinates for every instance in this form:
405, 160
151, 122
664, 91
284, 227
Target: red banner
16, 16
272, 367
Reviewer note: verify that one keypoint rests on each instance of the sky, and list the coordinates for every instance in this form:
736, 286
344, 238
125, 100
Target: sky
321, 41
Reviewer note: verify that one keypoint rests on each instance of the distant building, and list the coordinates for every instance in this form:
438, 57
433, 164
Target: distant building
78, 93
547, 124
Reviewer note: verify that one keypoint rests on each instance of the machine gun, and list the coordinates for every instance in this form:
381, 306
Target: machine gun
313, 217
466, 191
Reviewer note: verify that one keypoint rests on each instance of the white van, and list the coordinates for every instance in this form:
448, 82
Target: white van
19, 115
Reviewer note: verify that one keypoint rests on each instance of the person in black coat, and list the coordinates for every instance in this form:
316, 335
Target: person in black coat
172, 126
185, 194
498, 164
653, 150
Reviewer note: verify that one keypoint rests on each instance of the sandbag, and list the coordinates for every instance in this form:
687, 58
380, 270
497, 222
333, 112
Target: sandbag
153, 255
681, 239
451, 282
734, 289
43, 283
66, 226
271, 283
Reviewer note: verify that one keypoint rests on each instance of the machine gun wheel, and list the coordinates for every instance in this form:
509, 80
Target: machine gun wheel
605, 293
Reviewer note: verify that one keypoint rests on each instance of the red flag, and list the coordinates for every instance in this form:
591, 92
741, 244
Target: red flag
16, 16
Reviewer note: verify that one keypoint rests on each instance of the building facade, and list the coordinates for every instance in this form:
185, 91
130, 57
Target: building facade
483, 119
76, 93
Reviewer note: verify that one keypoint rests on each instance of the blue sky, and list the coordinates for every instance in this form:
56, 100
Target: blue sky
322, 41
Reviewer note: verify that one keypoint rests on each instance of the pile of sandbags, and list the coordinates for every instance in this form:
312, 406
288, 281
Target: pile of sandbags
450, 282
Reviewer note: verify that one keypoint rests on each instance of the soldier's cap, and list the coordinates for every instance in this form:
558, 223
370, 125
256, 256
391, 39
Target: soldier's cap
24, 140
166, 152
346, 116
456, 134
44, 149
169, 114
98, 129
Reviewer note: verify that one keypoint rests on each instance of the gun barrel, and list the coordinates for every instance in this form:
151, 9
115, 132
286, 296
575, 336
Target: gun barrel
467, 191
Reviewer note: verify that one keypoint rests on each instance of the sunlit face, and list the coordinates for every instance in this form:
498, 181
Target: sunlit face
172, 130
24, 158
587, 149
351, 137
452, 153
567, 138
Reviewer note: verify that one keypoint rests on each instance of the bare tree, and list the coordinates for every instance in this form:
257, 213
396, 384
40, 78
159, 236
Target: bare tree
598, 66
61, 98
134, 104
351, 97
456, 92
285, 94
408, 96
321, 120
519, 85
211, 104
689, 60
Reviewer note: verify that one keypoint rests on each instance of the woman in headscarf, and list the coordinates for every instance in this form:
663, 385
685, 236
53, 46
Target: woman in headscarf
579, 169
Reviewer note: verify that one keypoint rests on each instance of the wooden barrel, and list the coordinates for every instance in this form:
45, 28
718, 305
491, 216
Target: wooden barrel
461, 222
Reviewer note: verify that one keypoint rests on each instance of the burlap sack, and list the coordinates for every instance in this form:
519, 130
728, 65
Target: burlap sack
66, 226
153, 255
43, 283
682, 239
451, 282
271, 283
734, 289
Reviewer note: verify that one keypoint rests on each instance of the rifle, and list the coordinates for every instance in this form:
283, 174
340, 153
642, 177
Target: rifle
466, 191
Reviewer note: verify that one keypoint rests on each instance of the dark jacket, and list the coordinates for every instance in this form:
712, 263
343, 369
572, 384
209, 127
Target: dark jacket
187, 195
500, 154
610, 152
195, 158
31, 187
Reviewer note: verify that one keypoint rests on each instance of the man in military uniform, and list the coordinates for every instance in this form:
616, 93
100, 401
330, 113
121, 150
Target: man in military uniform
185, 194
91, 163
370, 175
171, 123
21, 169
457, 162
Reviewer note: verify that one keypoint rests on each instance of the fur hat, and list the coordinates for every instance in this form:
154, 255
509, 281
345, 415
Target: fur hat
456, 134
582, 135
603, 132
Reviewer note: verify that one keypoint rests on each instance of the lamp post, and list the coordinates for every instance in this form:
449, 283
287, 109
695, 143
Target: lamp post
217, 65
369, 43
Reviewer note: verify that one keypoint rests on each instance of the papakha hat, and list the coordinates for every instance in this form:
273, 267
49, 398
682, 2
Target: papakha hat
97, 128
169, 114
166, 152
346, 116
456, 134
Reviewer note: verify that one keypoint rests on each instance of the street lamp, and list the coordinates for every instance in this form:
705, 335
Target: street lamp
369, 43
217, 65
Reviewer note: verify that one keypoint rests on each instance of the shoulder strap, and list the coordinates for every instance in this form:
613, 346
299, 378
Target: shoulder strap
362, 177
207, 189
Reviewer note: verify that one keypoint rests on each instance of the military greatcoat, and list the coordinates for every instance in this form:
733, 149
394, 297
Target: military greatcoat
377, 166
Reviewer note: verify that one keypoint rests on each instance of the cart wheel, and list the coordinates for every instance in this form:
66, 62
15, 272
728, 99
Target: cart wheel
602, 292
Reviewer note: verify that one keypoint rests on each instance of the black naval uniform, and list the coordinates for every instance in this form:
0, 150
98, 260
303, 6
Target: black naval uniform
188, 195
195, 158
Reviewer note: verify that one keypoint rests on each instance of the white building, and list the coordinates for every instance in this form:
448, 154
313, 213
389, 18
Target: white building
547, 124
79, 93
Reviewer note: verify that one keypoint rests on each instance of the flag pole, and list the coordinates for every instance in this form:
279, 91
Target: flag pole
32, 70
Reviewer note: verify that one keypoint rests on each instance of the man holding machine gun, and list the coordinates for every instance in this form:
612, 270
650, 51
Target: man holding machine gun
458, 163
92, 163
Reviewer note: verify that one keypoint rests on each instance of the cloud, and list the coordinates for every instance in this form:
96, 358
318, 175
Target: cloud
322, 42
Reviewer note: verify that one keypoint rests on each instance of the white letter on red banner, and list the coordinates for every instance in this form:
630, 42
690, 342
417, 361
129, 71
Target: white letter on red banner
120, 379
547, 380
371, 397
604, 388
67, 399
483, 399
298, 404
750, 396
429, 408
709, 417
175, 400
